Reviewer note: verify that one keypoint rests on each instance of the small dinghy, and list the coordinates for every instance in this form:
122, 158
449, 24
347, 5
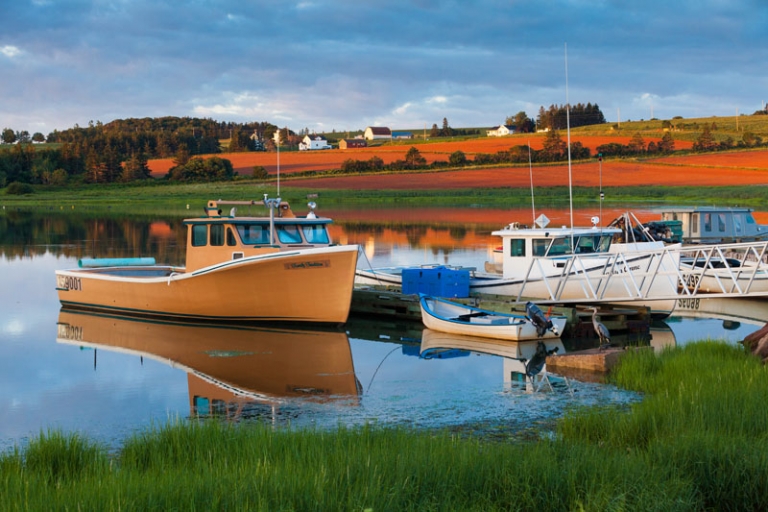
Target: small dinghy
456, 318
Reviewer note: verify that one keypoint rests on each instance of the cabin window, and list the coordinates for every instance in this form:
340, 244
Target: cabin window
217, 235
202, 405
695, 223
231, 240
289, 234
253, 234
737, 220
540, 246
517, 247
316, 234
707, 222
586, 244
750, 219
605, 243
560, 246
721, 222
199, 235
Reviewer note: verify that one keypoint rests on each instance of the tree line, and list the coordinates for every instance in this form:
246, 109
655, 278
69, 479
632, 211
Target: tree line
120, 150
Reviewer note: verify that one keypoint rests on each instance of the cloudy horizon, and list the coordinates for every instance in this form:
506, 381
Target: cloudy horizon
342, 65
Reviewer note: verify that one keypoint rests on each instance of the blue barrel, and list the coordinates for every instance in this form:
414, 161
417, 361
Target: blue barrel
115, 262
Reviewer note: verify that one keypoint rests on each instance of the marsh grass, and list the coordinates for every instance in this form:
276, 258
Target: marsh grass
696, 442
704, 415
172, 199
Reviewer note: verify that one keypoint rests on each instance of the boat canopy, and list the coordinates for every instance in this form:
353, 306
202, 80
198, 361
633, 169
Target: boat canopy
526, 242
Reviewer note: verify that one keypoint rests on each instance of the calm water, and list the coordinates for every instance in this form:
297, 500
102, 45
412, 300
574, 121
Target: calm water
109, 377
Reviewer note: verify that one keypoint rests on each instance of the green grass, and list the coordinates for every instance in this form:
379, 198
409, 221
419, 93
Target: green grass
696, 442
172, 199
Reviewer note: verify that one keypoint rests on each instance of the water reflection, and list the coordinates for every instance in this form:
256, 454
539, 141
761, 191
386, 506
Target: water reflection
517, 356
230, 369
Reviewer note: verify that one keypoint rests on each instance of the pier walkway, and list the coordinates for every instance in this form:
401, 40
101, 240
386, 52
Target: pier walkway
690, 271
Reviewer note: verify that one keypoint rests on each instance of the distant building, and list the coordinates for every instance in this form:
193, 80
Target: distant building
502, 130
377, 132
352, 143
311, 142
402, 135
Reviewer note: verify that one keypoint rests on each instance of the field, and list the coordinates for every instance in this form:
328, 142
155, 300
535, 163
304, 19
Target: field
614, 174
298, 161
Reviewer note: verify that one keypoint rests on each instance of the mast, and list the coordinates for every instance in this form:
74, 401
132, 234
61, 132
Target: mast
568, 131
530, 169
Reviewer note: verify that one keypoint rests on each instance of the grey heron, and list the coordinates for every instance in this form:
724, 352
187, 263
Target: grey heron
601, 330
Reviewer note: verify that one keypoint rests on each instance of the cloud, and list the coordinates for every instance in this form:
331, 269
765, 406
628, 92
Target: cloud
10, 51
344, 64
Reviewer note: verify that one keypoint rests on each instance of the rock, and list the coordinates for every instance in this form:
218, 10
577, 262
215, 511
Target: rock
757, 343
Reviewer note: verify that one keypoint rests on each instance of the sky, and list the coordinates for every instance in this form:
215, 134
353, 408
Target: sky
325, 65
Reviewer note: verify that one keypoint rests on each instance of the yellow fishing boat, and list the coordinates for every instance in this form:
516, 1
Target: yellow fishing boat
278, 267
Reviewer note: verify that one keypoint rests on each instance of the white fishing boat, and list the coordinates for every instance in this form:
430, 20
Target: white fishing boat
569, 264
456, 318
724, 275
712, 224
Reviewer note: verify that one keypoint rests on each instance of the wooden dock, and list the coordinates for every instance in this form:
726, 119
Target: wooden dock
631, 323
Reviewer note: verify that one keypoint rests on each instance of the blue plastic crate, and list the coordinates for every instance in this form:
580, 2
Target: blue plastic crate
436, 281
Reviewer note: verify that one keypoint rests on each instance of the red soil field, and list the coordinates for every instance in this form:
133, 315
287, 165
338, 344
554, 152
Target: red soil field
614, 174
297, 161
744, 159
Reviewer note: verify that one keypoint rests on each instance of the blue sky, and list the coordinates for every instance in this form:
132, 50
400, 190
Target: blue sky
344, 65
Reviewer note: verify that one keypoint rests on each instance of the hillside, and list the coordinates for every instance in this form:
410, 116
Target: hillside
683, 131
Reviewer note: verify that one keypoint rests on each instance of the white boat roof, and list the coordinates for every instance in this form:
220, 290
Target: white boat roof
705, 209
513, 230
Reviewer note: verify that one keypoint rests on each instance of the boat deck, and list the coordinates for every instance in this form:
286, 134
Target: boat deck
134, 272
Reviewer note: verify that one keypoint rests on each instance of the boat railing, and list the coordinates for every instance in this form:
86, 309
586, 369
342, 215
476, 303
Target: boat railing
667, 273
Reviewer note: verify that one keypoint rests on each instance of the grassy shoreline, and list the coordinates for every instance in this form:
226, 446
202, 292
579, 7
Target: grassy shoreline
695, 442
174, 198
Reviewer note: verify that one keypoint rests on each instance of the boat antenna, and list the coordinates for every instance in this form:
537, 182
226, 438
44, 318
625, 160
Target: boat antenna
530, 170
277, 143
568, 132
602, 195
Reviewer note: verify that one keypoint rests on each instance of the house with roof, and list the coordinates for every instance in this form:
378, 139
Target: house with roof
377, 132
502, 130
352, 143
310, 142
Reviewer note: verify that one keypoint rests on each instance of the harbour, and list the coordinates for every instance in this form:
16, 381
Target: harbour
53, 366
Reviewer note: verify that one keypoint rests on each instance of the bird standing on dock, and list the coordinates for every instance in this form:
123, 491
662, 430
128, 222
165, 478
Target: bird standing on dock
539, 319
601, 330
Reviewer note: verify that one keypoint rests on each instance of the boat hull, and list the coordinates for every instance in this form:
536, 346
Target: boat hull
311, 285
454, 318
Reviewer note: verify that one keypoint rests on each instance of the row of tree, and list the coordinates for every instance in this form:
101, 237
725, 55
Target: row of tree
120, 150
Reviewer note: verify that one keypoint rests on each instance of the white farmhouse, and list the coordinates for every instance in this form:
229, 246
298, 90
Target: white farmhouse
500, 131
310, 142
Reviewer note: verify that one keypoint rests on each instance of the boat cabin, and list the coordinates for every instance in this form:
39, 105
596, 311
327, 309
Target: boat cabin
217, 237
520, 245
712, 224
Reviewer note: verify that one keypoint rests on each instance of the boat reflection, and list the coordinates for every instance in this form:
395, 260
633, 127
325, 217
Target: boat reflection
230, 369
515, 354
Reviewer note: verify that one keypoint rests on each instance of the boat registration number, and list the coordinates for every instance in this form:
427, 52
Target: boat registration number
69, 283
689, 303
70, 332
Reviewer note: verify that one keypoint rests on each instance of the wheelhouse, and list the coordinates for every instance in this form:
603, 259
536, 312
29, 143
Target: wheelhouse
550, 244
216, 237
